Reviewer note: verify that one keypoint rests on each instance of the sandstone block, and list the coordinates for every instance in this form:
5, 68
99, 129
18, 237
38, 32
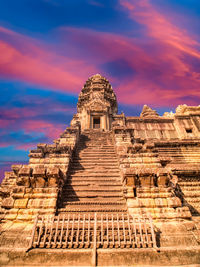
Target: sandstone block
174, 202
130, 179
4, 192
49, 203
21, 203
183, 212
130, 192
8, 174
39, 190
16, 168
24, 171
23, 181
8, 203
163, 180
35, 203
159, 202
38, 171
28, 190
53, 182
18, 189
146, 181
40, 182
34, 160
18, 195
132, 203
24, 215
10, 217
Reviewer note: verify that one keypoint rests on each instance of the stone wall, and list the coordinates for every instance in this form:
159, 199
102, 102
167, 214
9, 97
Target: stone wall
155, 154
33, 188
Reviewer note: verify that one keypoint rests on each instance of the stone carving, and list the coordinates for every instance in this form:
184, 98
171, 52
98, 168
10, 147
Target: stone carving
148, 112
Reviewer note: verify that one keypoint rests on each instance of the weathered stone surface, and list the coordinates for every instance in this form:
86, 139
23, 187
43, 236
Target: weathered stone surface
21, 203
110, 163
8, 203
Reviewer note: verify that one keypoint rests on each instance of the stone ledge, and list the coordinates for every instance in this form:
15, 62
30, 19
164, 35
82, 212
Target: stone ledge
105, 257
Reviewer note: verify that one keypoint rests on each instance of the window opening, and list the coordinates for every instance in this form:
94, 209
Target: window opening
96, 123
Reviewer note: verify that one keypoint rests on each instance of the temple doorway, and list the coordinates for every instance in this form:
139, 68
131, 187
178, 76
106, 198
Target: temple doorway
96, 123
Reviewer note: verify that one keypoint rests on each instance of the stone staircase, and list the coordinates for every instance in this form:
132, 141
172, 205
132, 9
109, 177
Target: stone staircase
93, 183
181, 155
190, 190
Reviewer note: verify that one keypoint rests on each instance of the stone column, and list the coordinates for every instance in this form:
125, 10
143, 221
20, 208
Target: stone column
103, 120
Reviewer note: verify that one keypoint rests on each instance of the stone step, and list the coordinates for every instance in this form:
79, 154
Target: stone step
91, 189
94, 168
98, 199
95, 148
193, 200
94, 160
99, 164
100, 161
190, 188
99, 202
103, 160
194, 150
191, 194
178, 151
94, 182
92, 209
189, 183
93, 141
97, 155
155, 195
93, 176
95, 171
92, 155
183, 156
97, 152
93, 194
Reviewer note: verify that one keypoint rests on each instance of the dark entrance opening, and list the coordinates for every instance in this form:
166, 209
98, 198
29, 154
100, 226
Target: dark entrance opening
96, 123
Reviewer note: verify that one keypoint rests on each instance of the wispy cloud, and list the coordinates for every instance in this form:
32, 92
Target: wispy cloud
25, 59
145, 69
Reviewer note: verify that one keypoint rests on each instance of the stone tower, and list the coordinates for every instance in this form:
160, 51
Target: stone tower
97, 104
111, 190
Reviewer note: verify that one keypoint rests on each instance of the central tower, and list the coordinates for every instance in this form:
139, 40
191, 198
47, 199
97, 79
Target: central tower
97, 104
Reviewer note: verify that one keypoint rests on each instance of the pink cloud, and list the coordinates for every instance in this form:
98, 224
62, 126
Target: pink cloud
160, 59
160, 71
34, 63
160, 26
49, 129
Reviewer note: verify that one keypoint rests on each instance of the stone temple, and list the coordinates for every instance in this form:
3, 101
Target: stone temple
112, 190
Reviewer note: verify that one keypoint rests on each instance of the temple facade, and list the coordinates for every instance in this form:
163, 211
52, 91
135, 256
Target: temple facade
111, 190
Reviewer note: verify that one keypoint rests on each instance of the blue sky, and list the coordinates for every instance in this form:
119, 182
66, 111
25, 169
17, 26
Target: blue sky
148, 49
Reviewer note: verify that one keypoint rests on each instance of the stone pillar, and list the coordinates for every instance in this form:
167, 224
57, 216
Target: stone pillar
104, 122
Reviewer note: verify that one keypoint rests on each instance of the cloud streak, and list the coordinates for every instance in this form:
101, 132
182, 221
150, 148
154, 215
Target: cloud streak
24, 59
156, 70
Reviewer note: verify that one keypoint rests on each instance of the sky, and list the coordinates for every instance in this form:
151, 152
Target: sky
149, 50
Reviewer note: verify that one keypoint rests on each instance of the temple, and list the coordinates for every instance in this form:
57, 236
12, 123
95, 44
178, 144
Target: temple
111, 190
